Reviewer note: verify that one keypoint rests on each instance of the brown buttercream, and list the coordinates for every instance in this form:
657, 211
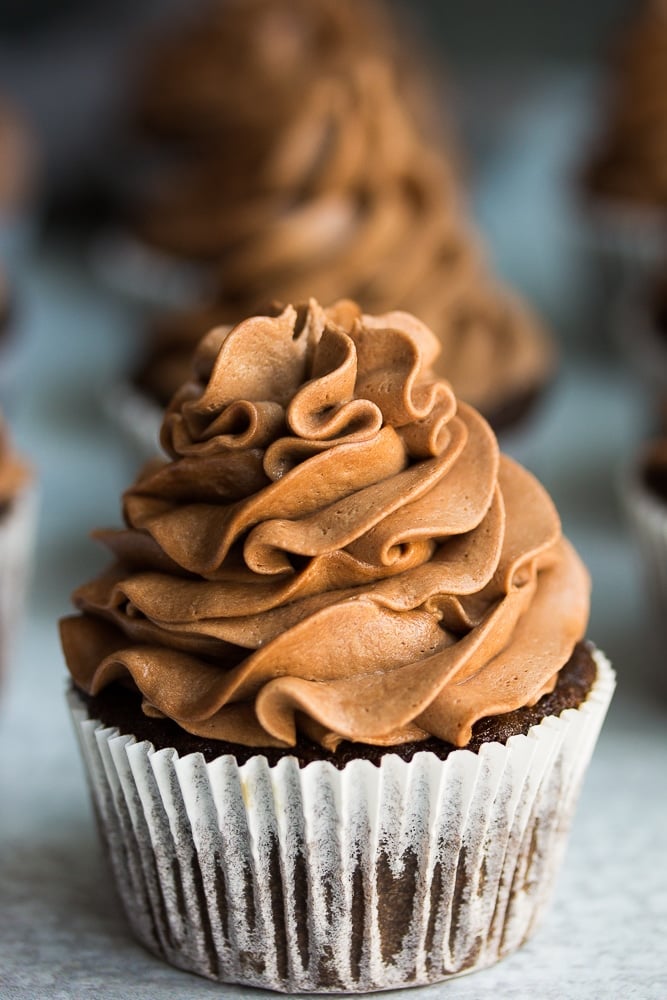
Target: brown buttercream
631, 161
330, 186
335, 547
236, 69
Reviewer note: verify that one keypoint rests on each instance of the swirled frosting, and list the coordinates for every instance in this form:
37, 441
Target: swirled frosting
493, 350
335, 547
235, 69
269, 107
631, 161
330, 185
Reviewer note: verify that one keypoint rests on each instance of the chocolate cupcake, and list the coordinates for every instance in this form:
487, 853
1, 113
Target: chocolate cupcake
332, 694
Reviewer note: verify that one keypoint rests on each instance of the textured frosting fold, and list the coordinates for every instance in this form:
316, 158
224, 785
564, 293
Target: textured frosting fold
335, 547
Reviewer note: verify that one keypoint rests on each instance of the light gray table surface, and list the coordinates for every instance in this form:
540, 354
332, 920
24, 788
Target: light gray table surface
62, 934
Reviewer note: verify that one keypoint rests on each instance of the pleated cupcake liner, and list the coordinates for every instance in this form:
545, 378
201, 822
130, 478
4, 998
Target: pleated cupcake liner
18, 526
147, 276
316, 879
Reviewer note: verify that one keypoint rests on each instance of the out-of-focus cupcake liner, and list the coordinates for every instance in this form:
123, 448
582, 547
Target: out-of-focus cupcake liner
637, 337
144, 275
648, 520
622, 246
632, 238
18, 525
136, 415
319, 879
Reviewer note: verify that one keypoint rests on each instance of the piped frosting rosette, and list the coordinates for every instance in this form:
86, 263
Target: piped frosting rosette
309, 163
350, 201
334, 548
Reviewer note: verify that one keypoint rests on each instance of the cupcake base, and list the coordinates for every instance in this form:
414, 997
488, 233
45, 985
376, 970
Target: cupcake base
317, 878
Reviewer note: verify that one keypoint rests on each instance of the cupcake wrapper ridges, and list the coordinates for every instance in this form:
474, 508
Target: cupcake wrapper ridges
318, 879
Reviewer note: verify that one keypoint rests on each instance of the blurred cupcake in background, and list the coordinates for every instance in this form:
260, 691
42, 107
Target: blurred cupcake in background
214, 96
17, 183
644, 495
626, 177
17, 536
323, 177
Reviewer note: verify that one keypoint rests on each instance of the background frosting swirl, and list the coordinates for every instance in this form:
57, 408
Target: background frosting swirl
335, 547
310, 163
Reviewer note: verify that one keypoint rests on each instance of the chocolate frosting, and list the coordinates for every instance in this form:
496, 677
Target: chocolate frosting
335, 547
329, 184
236, 69
631, 161
16, 161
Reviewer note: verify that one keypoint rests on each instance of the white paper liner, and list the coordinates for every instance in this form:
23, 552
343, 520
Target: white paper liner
17, 539
136, 415
143, 274
251, 874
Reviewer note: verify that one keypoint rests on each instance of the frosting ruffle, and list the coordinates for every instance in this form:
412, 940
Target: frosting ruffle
334, 547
